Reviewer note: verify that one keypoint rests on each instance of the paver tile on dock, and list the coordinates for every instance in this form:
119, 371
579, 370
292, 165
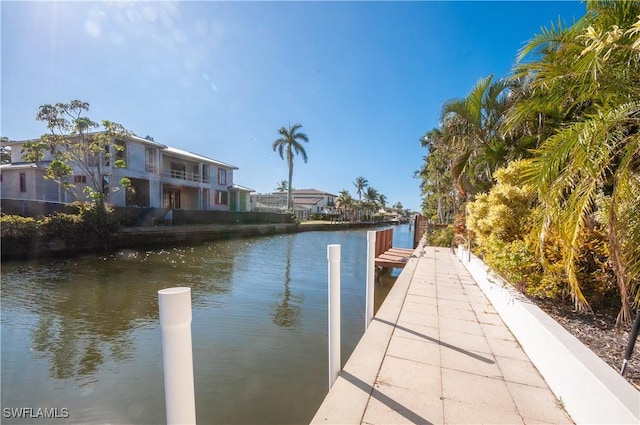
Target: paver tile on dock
450, 360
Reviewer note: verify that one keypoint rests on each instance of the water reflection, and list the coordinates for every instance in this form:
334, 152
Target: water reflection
288, 312
83, 333
86, 309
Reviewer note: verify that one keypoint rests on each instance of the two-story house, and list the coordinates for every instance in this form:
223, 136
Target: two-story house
161, 176
305, 202
315, 201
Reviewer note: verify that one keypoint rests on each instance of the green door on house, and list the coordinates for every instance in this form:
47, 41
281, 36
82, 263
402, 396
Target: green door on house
243, 201
233, 202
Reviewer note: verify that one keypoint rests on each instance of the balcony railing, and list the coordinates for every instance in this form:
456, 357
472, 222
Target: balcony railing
150, 167
185, 175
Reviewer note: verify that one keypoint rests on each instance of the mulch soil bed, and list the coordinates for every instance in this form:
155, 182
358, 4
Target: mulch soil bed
597, 331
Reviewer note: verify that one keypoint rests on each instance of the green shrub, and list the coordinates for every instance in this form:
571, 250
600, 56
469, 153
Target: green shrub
127, 217
503, 213
98, 220
62, 226
18, 227
501, 224
91, 222
440, 237
324, 217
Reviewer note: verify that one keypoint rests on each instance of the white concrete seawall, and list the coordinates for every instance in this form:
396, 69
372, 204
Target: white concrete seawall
591, 391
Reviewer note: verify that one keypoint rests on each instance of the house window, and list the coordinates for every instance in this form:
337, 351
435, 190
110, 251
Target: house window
138, 193
23, 182
222, 177
222, 197
121, 151
80, 179
150, 160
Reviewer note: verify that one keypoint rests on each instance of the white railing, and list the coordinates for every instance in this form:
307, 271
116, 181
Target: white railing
184, 175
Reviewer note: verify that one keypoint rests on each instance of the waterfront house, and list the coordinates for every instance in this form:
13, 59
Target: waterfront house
305, 202
161, 176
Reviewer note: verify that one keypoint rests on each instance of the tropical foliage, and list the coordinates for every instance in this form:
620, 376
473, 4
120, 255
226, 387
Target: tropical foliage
372, 207
471, 130
5, 152
85, 223
440, 237
440, 201
571, 112
282, 186
361, 184
74, 143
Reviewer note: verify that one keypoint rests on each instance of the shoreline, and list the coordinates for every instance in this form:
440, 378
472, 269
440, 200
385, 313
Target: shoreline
137, 237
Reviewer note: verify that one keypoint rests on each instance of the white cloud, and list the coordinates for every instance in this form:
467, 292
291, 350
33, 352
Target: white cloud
92, 28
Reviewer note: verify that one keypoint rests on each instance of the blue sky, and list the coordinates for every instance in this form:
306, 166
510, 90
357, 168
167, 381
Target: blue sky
365, 79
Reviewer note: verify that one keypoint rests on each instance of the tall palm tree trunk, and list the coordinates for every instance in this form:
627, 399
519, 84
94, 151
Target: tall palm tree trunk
289, 203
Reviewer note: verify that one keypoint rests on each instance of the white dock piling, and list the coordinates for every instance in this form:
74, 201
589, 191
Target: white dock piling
333, 257
371, 277
175, 321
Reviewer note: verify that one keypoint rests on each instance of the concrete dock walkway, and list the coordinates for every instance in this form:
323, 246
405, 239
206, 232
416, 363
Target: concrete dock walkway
438, 353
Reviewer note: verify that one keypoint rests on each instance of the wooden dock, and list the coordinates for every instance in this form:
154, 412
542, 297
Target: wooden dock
387, 256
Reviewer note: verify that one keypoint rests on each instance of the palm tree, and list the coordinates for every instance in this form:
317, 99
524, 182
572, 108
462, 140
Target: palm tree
289, 142
472, 125
371, 197
344, 201
382, 199
589, 168
361, 183
436, 185
398, 208
282, 186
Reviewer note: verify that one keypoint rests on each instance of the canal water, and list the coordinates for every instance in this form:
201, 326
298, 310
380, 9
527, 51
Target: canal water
83, 333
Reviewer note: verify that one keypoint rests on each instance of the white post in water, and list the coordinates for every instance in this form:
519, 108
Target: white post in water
371, 277
333, 255
175, 321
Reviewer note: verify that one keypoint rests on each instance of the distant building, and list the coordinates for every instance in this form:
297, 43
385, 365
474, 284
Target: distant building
161, 176
305, 202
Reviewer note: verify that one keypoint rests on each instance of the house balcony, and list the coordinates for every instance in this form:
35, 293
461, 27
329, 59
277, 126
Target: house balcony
184, 176
150, 168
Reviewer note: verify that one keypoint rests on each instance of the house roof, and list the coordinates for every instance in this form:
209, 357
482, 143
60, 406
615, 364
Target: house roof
240, 188
167, 149
19, 166
280, 195
308, 192
148, 142
194, 156
131, 136
16, 142
306, 201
